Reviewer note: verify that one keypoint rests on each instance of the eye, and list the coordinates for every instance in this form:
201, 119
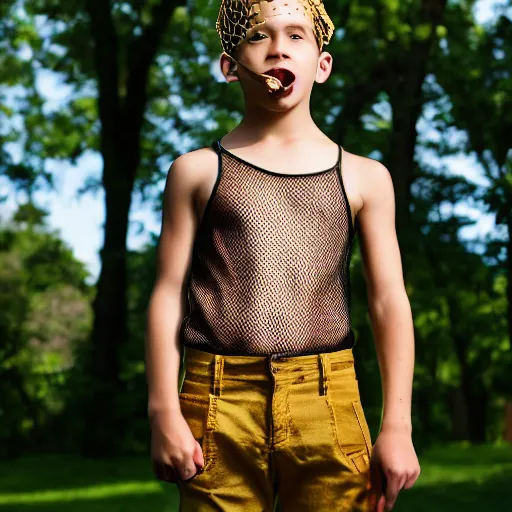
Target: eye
257, 34
300, 37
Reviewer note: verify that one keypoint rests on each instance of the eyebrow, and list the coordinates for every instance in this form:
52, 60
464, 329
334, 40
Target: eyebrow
295, 26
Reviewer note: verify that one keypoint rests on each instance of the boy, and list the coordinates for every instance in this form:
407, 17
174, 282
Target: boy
256, 240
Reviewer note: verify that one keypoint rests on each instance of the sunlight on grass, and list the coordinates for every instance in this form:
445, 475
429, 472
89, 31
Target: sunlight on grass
454, 478
85, 493
464, 463
479, 473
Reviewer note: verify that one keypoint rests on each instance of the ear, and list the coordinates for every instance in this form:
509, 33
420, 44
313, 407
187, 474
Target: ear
229, 68
324, 67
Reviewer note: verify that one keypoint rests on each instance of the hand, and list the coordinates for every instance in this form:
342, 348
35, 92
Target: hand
175, 454
394, 465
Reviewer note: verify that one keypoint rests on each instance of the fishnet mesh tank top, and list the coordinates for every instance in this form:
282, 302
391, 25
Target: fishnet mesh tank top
270, 263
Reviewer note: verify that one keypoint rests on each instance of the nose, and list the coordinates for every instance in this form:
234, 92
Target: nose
278, 49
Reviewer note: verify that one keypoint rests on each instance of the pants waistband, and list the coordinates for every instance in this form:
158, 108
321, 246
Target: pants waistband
247, 367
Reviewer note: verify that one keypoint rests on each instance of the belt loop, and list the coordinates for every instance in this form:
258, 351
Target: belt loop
323, 360
218, 372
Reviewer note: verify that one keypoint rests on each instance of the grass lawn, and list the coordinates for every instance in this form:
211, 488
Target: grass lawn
455, 478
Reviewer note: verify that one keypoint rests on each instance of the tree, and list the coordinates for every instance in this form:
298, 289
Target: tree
107, 52
476, 73
44, 315
140, 73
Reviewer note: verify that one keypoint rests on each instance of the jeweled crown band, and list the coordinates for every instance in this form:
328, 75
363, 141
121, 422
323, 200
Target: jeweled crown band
237, 17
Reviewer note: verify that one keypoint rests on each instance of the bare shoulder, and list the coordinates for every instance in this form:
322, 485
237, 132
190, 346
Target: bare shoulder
197, 158
179, 216
376, 226
186, 178
367, 179
189, 168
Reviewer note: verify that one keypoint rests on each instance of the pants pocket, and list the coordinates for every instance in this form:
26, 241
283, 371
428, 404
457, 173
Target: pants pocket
200, 414
350, 427
361, 418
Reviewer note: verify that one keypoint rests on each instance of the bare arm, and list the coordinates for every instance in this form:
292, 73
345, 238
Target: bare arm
388, 303
392, 325
175, 453
167, 303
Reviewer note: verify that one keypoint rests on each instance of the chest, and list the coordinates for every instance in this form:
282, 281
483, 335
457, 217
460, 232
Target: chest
249, 200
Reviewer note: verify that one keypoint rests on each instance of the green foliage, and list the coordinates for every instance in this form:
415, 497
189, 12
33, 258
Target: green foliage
382, 52
44, 313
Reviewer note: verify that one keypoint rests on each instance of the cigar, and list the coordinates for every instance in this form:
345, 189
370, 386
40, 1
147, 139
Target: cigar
273, 84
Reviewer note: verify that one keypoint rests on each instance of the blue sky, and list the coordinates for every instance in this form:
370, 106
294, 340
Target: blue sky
80, 219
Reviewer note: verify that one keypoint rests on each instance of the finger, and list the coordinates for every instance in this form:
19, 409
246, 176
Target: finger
375, 502
377, 487
198, 456
372, 492
198, 460
393, 487
377, 478
412, 479
199, 470
381, 504
187, 468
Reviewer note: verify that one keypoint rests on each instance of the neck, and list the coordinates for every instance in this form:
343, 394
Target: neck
262, 124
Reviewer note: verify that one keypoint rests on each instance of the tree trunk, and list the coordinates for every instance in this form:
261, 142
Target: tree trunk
475, 398
475, 395
406, 111
477, 416
121, 122
407, 74
109, 327
460, 416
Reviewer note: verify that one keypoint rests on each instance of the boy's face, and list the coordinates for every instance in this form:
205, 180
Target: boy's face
284, 46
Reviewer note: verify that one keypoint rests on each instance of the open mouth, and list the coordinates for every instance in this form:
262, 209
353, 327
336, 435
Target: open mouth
285, 76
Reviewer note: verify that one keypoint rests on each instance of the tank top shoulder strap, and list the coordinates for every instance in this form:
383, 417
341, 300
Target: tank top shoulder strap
339, 167
215, 145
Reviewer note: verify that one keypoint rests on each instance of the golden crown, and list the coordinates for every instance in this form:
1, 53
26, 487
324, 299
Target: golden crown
237, 17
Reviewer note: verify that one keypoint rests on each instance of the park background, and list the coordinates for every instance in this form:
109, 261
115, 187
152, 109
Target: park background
98, 97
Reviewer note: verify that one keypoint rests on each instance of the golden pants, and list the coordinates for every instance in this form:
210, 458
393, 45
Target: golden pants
290, 428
